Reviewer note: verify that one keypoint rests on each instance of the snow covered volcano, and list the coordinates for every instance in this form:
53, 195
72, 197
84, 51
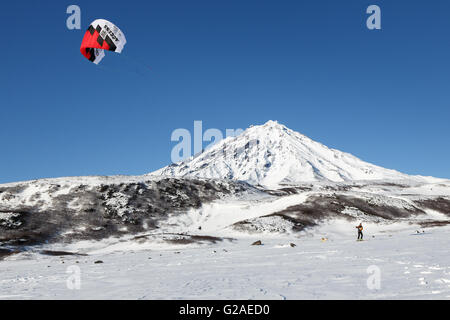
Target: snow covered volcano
272, 154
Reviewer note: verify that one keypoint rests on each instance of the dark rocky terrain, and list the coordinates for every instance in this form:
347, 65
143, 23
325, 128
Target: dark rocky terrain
54, 212
67, 210
321, 207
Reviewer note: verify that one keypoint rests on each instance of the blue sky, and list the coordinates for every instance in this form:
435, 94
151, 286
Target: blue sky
381, 95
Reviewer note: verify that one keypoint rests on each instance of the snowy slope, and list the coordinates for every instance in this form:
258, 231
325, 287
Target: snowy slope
411, 266
272, 154
194, 232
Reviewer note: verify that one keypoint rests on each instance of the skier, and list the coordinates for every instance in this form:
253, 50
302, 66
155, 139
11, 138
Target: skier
360, 229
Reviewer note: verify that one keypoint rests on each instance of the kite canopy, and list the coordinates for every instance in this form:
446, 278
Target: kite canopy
101, 35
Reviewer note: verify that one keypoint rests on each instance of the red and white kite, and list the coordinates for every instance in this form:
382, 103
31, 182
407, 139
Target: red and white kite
100, 36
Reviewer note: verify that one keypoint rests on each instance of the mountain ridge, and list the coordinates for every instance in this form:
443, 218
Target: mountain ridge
272, 154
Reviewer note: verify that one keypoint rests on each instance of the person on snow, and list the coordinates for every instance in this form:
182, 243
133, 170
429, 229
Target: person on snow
360, 229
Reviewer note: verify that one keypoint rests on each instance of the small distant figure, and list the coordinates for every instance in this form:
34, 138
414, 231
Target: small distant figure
360, 233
